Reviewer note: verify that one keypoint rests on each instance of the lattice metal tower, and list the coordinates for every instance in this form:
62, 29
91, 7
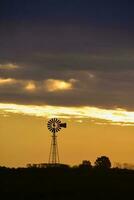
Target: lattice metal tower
54, 125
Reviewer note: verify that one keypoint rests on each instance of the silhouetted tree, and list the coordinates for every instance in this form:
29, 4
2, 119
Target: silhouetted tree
103, 162
86, 164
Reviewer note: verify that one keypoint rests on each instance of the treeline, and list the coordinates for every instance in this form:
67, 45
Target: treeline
102, 162
64, 182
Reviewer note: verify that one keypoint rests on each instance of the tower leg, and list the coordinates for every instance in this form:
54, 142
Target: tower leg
50, 154
54, 154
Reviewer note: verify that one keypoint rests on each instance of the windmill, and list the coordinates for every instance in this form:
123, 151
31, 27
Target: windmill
54, 126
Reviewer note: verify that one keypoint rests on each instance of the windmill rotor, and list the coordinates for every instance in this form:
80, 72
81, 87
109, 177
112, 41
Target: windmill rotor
54, 125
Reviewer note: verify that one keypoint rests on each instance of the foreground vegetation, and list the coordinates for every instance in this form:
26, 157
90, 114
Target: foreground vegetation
64, 182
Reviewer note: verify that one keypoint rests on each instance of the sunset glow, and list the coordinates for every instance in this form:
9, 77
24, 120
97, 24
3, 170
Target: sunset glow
30, 86
6, 81
117, 116
54, 85
9, 66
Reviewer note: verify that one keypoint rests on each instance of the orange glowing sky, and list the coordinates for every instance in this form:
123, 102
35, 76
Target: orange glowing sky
90, 133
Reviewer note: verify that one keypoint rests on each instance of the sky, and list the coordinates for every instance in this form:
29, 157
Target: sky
73, 60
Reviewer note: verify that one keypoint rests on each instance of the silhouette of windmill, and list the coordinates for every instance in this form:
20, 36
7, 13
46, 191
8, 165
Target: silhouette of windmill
54, 125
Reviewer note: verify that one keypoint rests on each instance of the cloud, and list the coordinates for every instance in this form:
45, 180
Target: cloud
53, 85
8, 66
30, 86
42, 55
113, 117
71, 88
7, 81
41, 66
38, 60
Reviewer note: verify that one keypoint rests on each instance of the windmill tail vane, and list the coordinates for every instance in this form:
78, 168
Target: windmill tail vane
63, 125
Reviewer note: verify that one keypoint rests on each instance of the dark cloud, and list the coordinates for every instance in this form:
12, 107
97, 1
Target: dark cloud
65, 66
92, 88
65, 47
90, 42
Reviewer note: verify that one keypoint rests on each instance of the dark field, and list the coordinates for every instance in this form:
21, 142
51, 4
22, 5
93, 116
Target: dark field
66, 183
